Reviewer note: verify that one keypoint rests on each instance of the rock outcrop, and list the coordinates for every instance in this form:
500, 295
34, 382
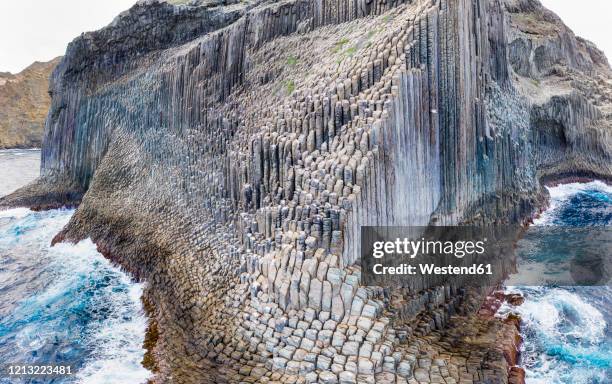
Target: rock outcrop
229, 154
24, 103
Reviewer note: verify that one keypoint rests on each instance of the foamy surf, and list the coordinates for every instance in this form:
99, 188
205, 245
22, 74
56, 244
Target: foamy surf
565, 336
66, 304
566, 330
563, 193
15, 213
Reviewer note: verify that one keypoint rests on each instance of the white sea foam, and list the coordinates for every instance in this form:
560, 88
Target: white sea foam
15, 213
546, 311
112, 339
116, 342
545, 317
565, 332
118, 354
561, 193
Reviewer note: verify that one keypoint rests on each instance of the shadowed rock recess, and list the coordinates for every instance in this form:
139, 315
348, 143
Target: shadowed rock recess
229, 154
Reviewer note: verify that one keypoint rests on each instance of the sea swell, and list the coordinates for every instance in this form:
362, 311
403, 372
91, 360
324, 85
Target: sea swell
566, 331
566, 335
66, 305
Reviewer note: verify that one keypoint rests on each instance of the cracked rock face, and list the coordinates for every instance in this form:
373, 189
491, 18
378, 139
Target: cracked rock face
24, 102
229, 154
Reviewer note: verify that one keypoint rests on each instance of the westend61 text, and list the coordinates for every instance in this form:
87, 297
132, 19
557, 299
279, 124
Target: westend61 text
432, 269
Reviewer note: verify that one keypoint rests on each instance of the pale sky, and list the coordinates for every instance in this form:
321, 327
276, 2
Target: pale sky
590, 19
39, 30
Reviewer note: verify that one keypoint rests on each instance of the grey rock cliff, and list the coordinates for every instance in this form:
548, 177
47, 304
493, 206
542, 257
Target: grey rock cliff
228, 154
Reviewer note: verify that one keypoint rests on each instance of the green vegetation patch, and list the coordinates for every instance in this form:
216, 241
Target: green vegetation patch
340, 44
292, 61
290, 86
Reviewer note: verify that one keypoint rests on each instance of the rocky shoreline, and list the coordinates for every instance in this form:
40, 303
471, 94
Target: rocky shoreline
474, 326
509, 341
508, 337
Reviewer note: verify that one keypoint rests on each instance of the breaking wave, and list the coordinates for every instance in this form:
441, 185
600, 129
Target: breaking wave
566, 330
66, 305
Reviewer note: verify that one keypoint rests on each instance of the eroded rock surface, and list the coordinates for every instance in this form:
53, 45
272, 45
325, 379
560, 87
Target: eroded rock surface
230, 154
24, 103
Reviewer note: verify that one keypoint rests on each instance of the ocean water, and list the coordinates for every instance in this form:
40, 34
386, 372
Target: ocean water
567, 331
64, 305
17, 168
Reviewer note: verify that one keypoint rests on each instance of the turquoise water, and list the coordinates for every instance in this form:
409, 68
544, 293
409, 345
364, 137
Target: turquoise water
65, 305
566, 331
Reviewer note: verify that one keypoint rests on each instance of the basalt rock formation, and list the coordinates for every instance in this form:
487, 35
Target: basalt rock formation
228, 154
24, 103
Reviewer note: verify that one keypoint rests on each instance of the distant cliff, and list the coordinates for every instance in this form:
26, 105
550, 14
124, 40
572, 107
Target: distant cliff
229, 152
24, 103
